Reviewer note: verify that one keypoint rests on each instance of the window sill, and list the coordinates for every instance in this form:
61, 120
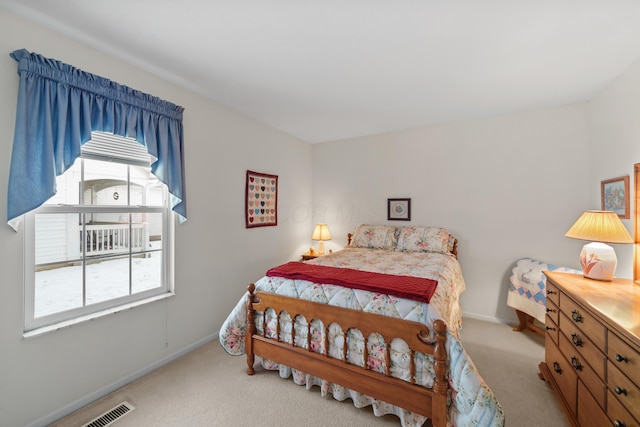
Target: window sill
81, 319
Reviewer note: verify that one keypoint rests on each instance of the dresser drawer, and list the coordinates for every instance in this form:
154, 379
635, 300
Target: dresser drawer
624, 357
589, 352
589, 412
553, 294
563, 374
627, 392
618, 415
589, 377
552, 312
584, 321
551, 321
552, 331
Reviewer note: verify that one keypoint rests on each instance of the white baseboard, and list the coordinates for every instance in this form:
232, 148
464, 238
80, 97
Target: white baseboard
492, 319
92, 397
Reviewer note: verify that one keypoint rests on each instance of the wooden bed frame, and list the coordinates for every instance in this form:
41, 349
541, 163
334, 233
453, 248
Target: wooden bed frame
429, 402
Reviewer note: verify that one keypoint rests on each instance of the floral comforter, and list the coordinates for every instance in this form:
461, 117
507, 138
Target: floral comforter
471, 402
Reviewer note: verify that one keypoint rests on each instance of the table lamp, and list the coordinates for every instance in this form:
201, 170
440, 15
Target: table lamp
598, 260
321, 233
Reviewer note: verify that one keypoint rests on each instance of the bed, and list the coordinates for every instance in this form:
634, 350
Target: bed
388, 339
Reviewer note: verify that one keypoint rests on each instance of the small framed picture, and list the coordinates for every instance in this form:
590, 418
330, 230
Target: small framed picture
399, 209
615, 196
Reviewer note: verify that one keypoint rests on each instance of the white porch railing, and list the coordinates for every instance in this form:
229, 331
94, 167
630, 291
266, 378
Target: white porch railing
114, 238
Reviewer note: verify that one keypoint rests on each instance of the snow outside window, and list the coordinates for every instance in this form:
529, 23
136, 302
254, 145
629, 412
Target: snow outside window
103, 242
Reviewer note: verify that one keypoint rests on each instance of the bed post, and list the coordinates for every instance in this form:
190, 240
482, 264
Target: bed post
439, 407
250, 330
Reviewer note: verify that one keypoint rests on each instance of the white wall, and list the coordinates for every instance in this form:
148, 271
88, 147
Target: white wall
614, 130
507, 187
216, 257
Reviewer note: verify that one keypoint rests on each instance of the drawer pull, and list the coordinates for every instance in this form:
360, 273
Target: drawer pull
556, 367
576, 316
550, 310
621, 358
550, 328
549, 292
577, 341
618, 423
619, 390
576, 364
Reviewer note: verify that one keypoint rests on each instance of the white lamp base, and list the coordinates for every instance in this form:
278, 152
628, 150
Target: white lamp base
598, 261
321, 247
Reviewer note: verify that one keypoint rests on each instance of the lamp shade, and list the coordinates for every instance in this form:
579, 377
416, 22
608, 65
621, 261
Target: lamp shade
598, 260
600, 226
321, 232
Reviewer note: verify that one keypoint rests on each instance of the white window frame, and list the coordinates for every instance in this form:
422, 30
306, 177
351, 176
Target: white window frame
47, 323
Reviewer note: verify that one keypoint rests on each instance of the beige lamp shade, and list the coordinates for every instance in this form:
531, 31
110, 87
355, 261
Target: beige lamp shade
321, 233
600, 226
598, 260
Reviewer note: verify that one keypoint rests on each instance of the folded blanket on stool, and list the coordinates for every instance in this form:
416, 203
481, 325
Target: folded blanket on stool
527, 290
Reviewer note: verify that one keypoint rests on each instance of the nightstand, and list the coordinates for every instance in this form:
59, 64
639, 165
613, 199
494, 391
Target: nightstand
307, 256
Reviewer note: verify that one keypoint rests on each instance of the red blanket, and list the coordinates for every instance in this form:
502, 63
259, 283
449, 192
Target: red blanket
414, 288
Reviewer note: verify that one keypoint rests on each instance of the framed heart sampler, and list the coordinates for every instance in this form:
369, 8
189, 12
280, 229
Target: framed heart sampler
261, 200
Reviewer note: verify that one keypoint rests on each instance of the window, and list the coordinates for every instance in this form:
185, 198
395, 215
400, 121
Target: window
91, 200
103, 241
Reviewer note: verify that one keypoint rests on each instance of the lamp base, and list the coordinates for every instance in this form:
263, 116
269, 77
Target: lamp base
598, 261
321, 247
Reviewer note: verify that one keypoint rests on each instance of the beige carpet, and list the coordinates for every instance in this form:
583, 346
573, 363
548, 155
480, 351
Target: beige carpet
207, 387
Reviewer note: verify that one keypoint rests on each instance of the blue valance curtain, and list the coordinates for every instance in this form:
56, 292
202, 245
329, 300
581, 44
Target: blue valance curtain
58, 108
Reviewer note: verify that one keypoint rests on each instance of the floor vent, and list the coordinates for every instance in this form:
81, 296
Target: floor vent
111, 416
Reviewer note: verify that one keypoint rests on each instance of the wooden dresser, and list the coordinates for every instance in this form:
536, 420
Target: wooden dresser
592, 349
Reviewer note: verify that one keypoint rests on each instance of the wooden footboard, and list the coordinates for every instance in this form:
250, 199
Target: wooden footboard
430, 402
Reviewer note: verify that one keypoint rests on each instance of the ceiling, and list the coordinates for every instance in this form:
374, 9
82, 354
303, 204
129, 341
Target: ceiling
333, 69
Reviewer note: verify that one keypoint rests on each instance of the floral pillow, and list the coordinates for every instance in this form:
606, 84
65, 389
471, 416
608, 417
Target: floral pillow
425, 239
375, 237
